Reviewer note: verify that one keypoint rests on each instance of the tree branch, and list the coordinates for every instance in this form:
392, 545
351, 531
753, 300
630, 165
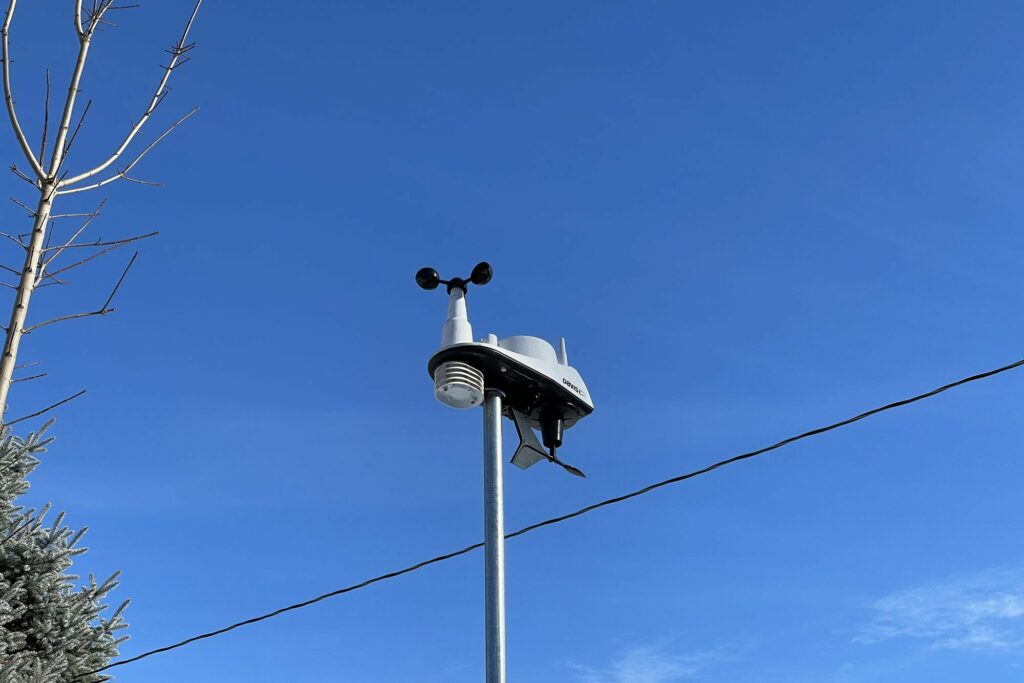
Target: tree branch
18, 273
78, 20
26, 379
31, 211
121, 175
118, 243
84, 41
85, 260
17, 241
55, 216
62, 318
139, 181
95, 16
102, 310
73, 237
106, 304
17, 171
78, 127
46, 116
177, 52
9, 95
46, 409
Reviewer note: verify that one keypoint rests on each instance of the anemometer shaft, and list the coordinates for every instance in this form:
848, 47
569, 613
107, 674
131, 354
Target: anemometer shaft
494, 540
457, 329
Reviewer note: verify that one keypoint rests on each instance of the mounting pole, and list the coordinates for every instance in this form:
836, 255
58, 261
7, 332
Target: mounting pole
494, 540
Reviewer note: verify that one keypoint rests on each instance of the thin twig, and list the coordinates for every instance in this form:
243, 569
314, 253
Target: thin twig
78, 127
18, 172
102, 310
63, 318
179, 50
110, 298
46, 409
121, 175
55, 216
95, 213
18, 272
60, 142
31, 211
126, 240
26, 379
85, 260
9, 95
100, 22
46, 117
140, 181
95, 16
16, 240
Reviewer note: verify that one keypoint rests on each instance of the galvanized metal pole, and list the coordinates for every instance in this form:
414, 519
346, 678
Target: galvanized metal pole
494, 540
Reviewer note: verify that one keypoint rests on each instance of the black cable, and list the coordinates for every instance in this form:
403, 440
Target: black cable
268, 615
577, 513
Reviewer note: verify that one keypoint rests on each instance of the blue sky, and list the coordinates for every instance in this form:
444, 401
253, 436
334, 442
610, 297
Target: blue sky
747, 219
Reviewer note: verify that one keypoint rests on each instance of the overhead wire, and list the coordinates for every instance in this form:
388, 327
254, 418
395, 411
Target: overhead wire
562, 518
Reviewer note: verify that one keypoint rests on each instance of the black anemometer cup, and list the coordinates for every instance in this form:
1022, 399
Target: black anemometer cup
427, 278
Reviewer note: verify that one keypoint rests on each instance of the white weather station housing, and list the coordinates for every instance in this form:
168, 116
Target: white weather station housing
524, 379
539, 389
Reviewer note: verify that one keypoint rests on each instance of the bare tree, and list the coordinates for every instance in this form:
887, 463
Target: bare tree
51, 180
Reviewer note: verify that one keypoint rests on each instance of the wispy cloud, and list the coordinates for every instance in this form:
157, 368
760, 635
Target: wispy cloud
647, 665
980, 612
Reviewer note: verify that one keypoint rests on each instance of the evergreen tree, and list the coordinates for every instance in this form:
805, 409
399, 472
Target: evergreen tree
50, 631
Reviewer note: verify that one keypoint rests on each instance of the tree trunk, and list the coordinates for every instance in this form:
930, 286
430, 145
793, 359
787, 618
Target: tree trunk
26, 284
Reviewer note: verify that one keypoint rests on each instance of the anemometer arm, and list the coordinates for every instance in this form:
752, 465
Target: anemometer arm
428, 278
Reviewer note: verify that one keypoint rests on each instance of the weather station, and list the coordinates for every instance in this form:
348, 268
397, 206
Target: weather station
524, 379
